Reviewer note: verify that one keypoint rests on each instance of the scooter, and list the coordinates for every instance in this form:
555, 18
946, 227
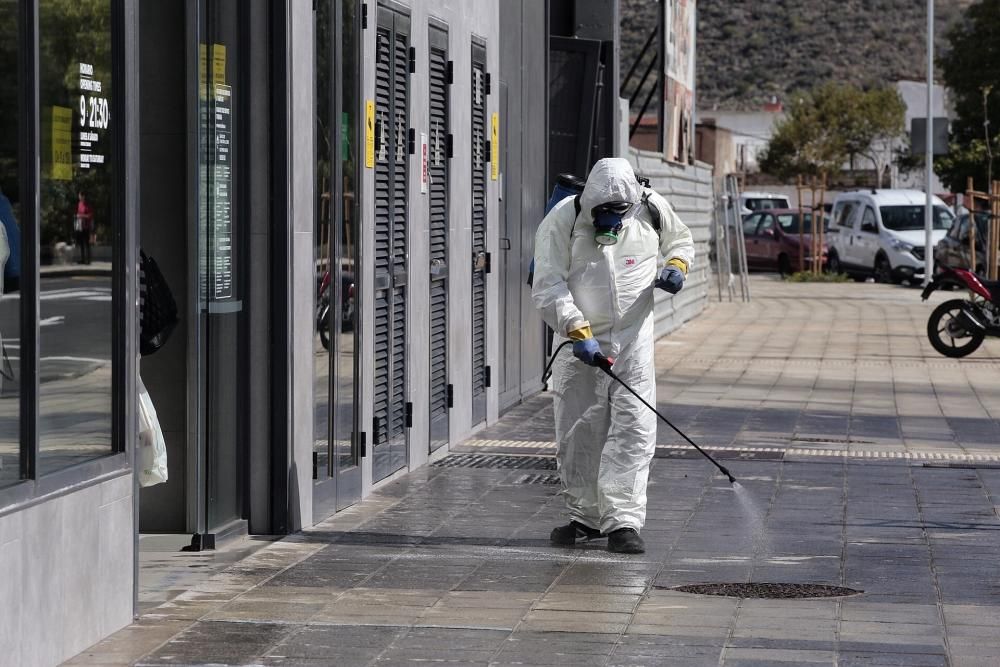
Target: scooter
957, 327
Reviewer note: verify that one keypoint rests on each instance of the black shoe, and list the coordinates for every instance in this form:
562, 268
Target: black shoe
625, 541
573, 532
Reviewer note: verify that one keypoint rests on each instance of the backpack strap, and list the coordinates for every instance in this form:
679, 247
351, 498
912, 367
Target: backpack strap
576, 207
654, 212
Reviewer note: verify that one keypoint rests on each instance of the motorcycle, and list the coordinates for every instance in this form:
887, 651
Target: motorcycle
957, 327
323, 306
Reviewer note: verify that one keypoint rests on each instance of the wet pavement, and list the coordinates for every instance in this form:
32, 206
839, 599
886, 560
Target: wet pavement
864, 461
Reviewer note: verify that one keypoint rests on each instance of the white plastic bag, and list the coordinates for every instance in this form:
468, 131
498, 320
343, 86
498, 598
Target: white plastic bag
151, 457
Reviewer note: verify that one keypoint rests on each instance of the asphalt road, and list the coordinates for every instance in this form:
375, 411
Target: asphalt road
75, 326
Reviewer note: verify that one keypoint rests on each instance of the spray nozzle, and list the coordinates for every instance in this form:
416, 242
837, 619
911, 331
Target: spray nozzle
604, 363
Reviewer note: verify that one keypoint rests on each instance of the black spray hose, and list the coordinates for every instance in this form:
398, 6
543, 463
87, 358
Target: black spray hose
548, 367
605, 365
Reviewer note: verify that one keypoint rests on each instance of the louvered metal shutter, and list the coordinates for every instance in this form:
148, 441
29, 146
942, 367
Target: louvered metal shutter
480, 161
391, 159
438, 196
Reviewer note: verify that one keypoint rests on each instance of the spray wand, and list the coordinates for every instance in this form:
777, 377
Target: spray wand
605, 364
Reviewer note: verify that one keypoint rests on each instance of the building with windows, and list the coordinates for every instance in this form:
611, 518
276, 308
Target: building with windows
341, 196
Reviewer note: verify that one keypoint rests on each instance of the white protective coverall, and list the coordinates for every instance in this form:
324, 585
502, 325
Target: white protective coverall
606, 437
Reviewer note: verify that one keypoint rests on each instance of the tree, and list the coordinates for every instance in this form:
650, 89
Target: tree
806, 142
970, 68
833, 123
873, 126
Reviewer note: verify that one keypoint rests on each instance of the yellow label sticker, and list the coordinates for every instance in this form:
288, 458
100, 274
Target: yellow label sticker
61, 140
370, 134
495, 146
219, 64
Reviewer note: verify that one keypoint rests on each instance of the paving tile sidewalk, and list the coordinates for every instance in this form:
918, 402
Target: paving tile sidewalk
452, 564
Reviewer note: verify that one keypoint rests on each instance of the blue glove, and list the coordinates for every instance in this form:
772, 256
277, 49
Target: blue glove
586, 350
671, 279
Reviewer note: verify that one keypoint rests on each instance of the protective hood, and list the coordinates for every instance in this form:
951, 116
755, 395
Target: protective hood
611, 179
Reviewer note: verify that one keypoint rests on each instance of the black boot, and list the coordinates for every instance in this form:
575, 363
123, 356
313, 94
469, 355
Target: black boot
573, 532
625, 541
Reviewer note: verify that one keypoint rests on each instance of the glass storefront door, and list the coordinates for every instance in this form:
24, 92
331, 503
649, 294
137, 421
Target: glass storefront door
220, 351
336, 460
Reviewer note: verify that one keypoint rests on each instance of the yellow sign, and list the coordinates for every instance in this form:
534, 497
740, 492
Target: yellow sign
218, 67
57, 125
495, 147
370, 134
219, 64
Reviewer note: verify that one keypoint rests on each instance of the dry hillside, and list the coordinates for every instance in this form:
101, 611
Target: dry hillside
749, 50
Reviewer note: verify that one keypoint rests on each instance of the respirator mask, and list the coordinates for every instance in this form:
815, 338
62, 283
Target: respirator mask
608, 221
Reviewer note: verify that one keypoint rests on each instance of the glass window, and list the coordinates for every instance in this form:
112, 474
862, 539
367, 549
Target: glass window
75, 373
766, 223
843, 214
750, 224
10, 259
346, 364
904, 217
868, 222
790, 223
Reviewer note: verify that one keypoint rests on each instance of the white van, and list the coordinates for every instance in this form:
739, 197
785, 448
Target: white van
751, 202
880, 233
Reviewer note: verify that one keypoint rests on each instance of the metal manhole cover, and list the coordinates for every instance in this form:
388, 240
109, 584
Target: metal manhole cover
496, 462
765, 590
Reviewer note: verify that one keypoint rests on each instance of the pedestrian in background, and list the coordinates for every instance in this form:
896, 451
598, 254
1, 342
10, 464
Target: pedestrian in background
83, 227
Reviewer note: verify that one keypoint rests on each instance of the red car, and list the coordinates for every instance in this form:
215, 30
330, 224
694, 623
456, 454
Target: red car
772, 240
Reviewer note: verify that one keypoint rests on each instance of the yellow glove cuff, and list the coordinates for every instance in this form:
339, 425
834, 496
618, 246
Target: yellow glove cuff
679, 263
583, 333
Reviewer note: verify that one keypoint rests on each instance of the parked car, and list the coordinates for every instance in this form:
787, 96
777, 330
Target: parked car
953, 250
880, 234
772, 240
751, 202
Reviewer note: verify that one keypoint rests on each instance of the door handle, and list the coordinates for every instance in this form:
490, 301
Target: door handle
438, 267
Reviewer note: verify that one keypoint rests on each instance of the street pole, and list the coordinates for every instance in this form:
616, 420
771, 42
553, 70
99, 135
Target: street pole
929, 151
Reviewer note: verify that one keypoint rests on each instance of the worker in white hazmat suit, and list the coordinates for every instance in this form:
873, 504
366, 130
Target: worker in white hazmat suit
598, 260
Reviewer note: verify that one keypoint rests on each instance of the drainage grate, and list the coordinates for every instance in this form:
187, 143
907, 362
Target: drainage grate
497, 462
833, 441
537, 479
720, 454
768, 591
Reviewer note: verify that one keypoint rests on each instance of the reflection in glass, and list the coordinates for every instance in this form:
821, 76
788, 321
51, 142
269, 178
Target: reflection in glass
76, 227
335, 245
10, 260
346, 359
321, 240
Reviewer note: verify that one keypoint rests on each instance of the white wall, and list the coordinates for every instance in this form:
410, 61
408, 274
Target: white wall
689, 191
66, 573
